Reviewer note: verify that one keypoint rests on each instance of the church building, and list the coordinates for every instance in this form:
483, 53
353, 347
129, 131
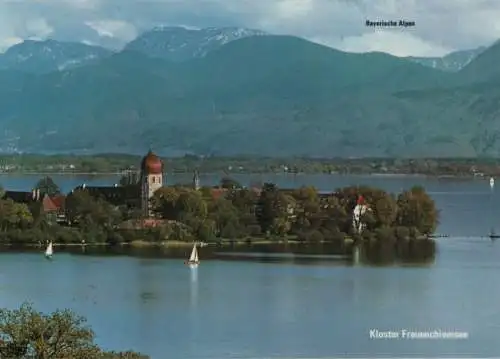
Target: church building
151, 179
137, 191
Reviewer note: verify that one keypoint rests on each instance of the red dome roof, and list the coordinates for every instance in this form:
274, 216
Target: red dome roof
151, 164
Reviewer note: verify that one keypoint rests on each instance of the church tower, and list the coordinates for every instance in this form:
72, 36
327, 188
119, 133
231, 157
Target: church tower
196, 180
151, 180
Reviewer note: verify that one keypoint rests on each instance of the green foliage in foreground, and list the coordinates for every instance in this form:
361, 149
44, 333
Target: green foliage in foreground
28, 334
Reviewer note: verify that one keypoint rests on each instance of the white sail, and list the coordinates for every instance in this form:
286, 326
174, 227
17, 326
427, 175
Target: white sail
492, 182
49, 251
194, 255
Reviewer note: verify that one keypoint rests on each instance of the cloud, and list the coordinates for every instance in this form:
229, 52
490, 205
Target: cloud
395, 43
38, 28
441, 26
113, 28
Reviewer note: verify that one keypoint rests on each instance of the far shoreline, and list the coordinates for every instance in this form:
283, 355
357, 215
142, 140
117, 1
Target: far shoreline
339, 174
109, 164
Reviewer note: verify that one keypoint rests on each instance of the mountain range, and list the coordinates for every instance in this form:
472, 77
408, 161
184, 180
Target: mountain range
230, 91
453, 62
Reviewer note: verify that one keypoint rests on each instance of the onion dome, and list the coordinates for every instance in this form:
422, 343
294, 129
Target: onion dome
151, 164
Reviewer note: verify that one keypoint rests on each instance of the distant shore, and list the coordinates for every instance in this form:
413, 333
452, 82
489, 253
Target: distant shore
117, 164
368, 174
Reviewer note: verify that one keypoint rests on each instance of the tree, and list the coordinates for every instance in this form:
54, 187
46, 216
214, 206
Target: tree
336, 216
191, 202
14, 215
225, 216
243, 199
417, 210
307, 206
26, 333
46, 185
164, 202
267, 209
229, 183
91, 213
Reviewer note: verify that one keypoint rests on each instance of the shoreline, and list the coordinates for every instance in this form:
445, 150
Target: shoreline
138, 244
367, 174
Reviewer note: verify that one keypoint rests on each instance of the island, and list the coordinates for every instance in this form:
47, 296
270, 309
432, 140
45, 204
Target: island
144, 210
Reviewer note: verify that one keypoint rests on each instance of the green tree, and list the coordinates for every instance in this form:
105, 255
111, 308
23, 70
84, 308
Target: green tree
416, 209
267, 209
91, 214
225, 216
335, 215
229, 183
14, 215
191, 202
164, 202
46, 185
243, 200
26, 333
307, 206
385, 210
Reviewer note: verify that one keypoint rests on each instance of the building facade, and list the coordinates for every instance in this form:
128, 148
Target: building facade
135, 191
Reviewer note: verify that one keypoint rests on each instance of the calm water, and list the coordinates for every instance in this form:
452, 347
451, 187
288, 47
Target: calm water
282, 309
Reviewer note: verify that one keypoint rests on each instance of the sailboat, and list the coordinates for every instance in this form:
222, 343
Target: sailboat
193, 261
49, 251
492, 182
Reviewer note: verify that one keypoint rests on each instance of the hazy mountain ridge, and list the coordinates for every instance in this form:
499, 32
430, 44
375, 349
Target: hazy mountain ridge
181, 44
50, 55
452, 62
262, 95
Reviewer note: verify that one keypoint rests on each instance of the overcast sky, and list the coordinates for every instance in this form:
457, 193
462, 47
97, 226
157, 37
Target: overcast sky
442, 26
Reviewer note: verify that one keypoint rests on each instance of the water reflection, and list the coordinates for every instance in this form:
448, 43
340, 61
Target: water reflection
420, 252
355, 255
193, 293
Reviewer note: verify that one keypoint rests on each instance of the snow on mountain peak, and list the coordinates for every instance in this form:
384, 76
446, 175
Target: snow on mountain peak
180, 43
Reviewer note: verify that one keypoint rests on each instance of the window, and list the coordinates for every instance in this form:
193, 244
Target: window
153, 180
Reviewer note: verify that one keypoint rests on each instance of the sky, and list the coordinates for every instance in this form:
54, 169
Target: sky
441, 26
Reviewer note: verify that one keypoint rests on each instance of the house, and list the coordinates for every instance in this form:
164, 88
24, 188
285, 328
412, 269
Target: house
52, 207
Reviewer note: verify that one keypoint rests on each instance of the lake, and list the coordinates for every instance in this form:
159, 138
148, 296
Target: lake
264, 309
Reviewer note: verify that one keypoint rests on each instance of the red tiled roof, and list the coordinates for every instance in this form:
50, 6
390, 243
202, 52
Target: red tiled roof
217, 192
59, 201
48, 205
152, 222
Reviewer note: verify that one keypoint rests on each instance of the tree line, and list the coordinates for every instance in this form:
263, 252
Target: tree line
301, 213
236, 213
114, 163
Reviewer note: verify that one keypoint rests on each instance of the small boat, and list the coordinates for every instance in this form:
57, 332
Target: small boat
492, 182
49, 252
193, 261
493, 235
